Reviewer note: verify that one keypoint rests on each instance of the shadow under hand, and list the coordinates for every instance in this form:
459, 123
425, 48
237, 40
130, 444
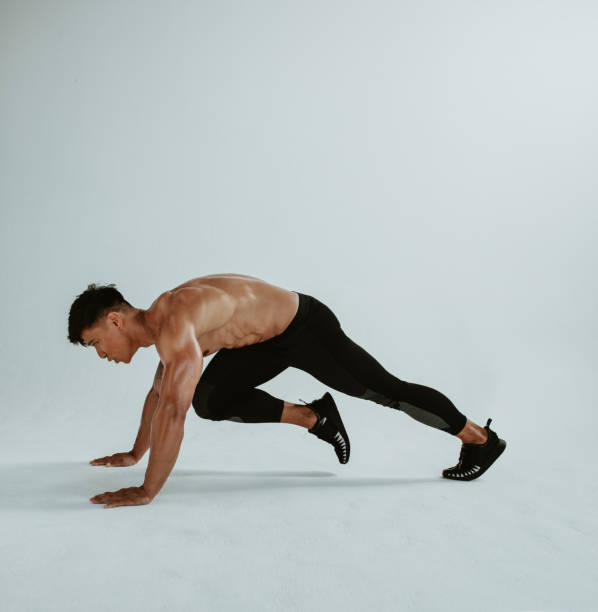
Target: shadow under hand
66, 485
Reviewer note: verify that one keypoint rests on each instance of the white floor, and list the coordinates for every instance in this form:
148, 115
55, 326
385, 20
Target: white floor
426, 169
263, 517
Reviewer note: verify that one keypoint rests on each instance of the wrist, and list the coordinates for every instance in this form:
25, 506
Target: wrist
148, 491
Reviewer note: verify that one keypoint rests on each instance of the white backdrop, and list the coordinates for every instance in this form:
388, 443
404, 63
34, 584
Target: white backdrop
428, 170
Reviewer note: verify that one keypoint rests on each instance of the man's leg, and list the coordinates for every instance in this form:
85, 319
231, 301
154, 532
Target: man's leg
296, 414
327, 353
473, 433
305, 417
226, 389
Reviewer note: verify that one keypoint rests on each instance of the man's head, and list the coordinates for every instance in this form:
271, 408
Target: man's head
99, 317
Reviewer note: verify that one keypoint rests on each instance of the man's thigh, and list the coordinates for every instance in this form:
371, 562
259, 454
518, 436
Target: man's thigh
235, 371
323, 349
245, 367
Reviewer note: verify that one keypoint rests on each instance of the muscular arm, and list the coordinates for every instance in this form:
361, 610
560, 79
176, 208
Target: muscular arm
183, 363
142, 442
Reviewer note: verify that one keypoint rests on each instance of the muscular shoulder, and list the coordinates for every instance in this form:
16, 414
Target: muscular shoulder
176, 338
192, 310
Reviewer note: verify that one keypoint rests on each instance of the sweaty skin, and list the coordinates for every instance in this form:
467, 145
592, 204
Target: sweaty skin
186, 323
227, 310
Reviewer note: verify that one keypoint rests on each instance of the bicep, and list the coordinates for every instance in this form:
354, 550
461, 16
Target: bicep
180, 379
183, 363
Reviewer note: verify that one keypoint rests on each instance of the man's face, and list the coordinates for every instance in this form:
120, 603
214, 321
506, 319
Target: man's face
108, 339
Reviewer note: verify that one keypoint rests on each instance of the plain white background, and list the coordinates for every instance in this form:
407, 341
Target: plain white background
428, 170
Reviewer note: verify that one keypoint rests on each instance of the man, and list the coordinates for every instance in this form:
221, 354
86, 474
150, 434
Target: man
257, 330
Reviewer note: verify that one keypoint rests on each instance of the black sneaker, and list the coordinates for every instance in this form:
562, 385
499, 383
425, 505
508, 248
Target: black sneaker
329, 426
475, 459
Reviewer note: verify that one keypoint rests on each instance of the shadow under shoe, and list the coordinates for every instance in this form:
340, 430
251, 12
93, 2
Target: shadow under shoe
475, 459
329, 426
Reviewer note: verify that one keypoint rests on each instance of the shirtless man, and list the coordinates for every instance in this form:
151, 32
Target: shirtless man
257, 330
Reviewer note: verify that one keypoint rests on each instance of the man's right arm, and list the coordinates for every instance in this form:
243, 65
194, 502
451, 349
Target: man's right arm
142, 442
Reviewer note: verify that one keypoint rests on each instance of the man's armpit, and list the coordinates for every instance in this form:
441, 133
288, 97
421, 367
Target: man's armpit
158, 377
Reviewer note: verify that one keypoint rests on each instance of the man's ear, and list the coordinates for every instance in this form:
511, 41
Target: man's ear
114, 318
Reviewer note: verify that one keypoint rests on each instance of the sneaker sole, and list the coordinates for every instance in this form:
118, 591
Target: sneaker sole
336, 417
497, 453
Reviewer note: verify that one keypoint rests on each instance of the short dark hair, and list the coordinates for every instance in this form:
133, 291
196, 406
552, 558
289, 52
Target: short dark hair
91, 305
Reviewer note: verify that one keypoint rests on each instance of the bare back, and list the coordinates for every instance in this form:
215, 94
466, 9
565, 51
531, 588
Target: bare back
228, 310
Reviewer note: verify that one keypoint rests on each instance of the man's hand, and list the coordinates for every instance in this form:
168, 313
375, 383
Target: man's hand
130, 496
116, 460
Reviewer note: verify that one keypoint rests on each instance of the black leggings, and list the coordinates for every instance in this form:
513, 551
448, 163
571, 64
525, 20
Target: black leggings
315, 343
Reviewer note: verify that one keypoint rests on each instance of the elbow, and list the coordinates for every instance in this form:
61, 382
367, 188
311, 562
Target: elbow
172, 411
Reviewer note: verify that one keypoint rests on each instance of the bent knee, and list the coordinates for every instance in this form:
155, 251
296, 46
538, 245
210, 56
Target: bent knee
208, 403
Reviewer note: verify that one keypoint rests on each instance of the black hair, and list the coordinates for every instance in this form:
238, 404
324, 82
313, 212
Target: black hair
90, 306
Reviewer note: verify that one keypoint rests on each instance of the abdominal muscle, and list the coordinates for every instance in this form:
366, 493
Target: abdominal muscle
258, 310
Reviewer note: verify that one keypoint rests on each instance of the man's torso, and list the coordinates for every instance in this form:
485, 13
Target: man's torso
228, 310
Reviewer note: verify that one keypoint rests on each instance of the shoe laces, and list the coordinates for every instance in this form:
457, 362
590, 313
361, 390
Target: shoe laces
466, 450
311, 405
463, 454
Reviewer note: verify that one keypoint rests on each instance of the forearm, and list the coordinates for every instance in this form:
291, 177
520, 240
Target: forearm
142, 443
167, 431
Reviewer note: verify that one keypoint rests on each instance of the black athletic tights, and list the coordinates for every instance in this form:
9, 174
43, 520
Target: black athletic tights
315, 343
